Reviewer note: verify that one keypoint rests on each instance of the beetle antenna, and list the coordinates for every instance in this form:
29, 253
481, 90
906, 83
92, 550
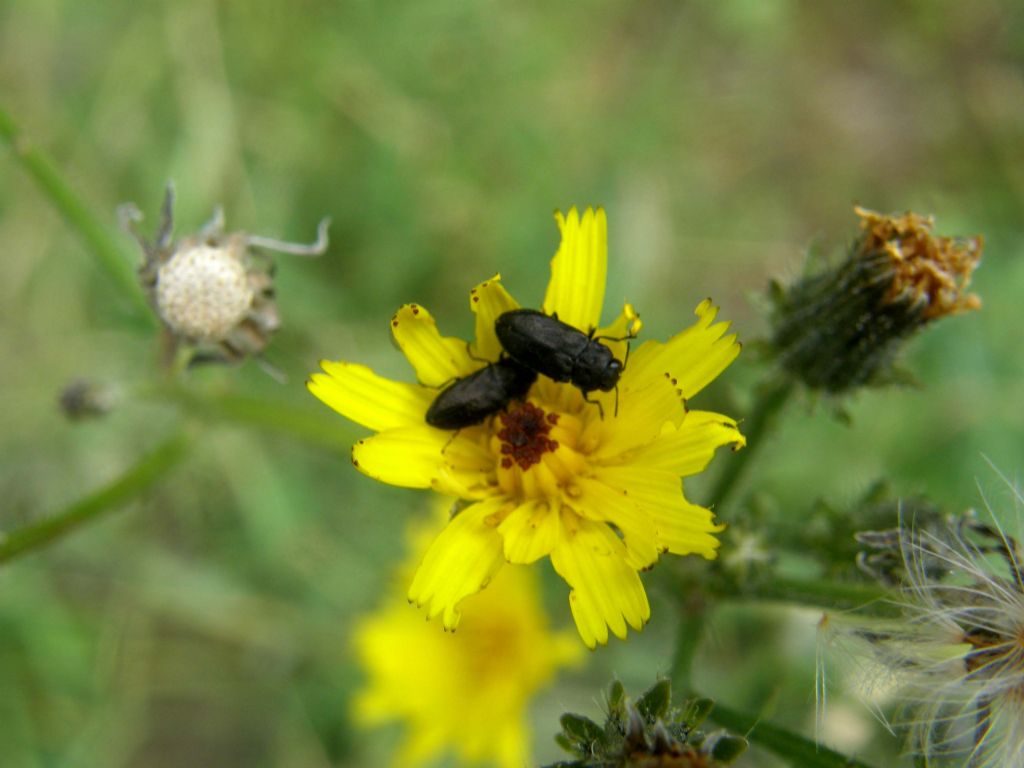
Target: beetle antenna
617, 391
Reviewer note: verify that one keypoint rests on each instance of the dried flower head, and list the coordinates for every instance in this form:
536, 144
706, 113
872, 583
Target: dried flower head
955, 657
929, 272
839, 329
208, 289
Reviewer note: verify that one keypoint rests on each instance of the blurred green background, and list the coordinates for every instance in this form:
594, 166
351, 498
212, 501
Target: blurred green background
207, 623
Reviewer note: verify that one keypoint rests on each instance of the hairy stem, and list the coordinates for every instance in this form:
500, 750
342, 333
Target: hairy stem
792, 747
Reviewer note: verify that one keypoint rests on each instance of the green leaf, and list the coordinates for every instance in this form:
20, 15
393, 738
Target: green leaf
582, 731
728, 748
696, 711
655, 702
616, 696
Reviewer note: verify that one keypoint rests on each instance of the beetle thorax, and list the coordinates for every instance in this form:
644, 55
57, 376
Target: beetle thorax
596, 368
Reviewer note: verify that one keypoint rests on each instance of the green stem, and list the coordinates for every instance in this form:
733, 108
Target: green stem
151, 468
792, 747
773, 396
98, 236
818, 593
271, 415
689, 633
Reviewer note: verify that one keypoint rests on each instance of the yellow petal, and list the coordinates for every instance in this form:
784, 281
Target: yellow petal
606, 592
461, 561
683, 528
408, 457
691, 358
599, 501
579, 269
467, 468
530, 532
436, 359
357, 393
641, 416
420, 746
489, 300
686, 450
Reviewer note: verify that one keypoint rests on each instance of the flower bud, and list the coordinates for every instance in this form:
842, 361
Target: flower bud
841, 328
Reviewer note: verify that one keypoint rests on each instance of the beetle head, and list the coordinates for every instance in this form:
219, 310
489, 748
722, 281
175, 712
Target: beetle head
597, 368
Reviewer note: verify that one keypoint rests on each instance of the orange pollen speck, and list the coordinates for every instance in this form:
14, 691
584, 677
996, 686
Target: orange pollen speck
524, 436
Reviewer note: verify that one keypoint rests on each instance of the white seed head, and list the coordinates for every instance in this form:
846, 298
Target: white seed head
202, 291
955, 659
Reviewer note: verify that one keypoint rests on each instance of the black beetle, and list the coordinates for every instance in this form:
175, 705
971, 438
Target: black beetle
473, 398
561, 352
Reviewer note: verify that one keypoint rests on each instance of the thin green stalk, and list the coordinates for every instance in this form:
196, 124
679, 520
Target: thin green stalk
818, 593
792, 747
769, 402
98, 236
689, 633
151, 468
271, 415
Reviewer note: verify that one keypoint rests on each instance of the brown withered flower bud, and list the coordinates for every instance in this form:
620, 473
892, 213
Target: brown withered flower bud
841, 328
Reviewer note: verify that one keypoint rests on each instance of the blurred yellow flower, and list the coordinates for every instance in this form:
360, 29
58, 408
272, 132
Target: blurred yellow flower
465, 692
597, 489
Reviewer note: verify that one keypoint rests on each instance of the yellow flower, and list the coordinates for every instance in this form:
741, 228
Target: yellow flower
466, 692
597, 489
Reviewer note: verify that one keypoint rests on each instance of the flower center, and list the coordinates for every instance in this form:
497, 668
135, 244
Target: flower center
524, 435
202, 292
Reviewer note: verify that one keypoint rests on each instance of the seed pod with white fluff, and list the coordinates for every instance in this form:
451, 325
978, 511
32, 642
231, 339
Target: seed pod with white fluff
212, 295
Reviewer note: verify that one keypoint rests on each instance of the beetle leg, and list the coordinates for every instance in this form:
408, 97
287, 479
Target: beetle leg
614, 338
600, 408
450, 439
469, 353
443, 385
